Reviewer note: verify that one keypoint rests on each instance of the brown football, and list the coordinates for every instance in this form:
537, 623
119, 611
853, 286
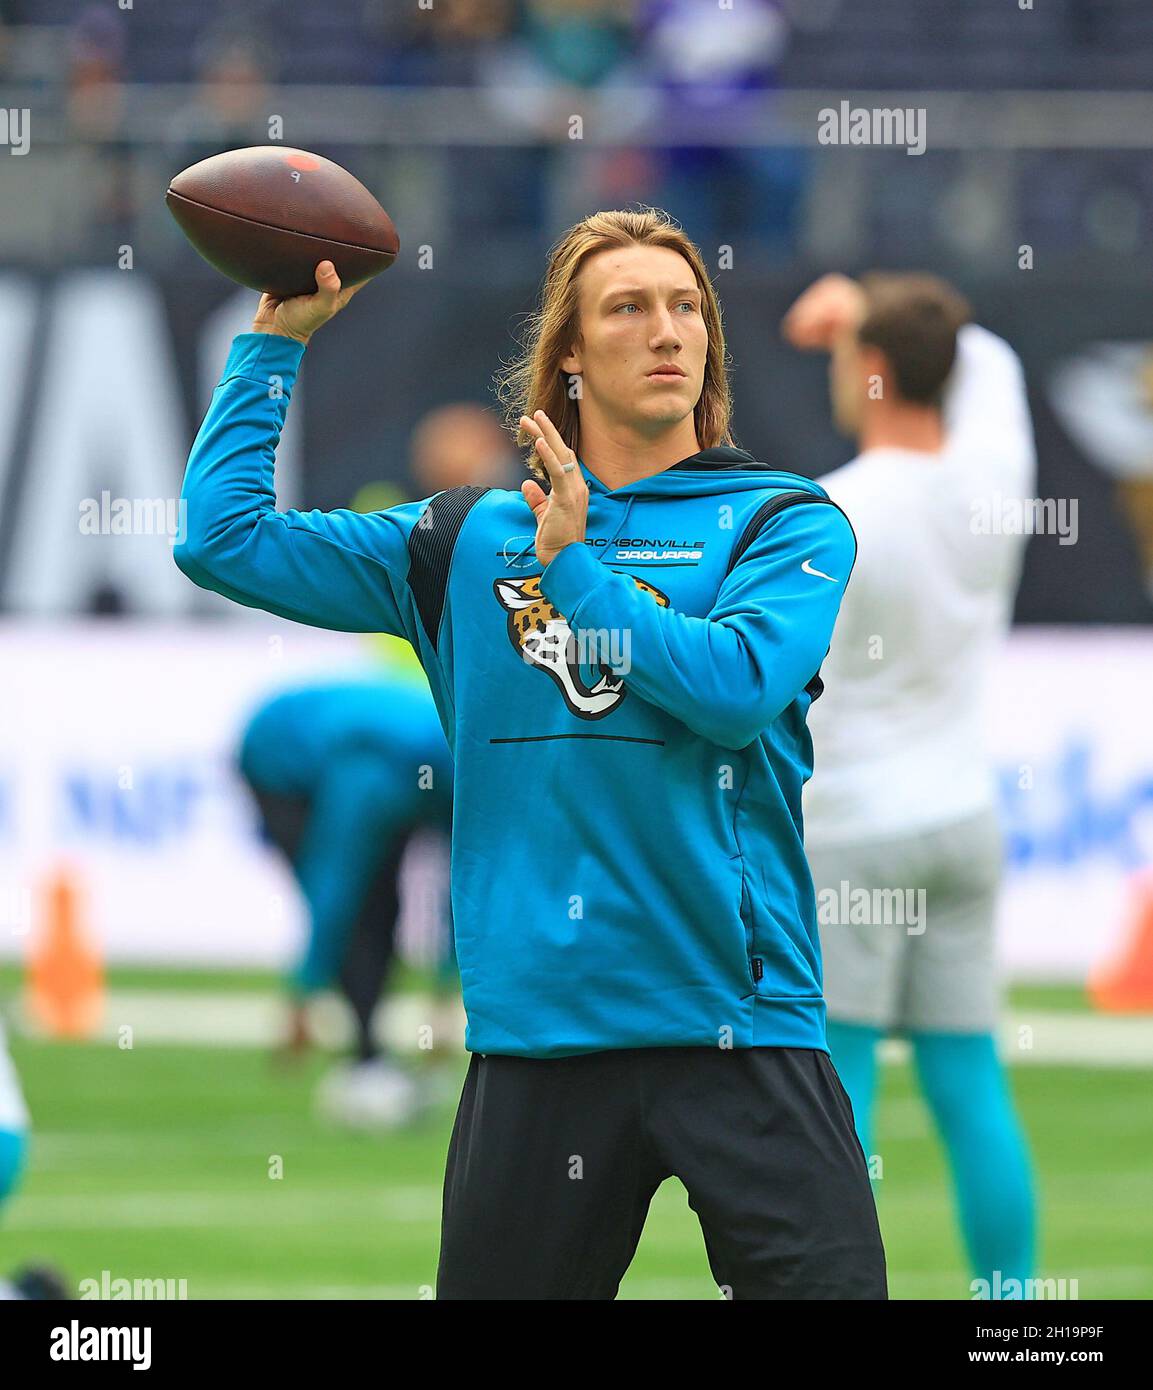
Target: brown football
267, 215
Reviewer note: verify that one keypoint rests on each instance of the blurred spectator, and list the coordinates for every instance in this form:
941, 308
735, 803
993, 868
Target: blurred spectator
95, 167
716, 65
229, 105
496, 189
569, 59
707, 57
563, 50
5, 39
95, 73
444, 46
577, 42
461, 444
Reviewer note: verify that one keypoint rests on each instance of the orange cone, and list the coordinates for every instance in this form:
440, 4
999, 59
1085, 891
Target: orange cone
1125, 985
65, 982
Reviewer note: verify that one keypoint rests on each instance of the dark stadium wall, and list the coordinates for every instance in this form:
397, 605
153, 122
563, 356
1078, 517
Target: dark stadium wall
64, 435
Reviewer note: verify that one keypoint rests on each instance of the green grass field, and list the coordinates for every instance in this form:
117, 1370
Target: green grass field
155, 1163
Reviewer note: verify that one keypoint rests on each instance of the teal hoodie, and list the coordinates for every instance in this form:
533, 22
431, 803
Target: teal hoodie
627, 723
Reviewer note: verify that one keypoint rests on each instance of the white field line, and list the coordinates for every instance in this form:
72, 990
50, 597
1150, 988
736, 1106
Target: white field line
1106, 1281
307, 1206
251, 1019
1063, 1038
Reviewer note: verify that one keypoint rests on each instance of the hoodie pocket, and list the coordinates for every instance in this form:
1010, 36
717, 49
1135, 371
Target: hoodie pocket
754, 965
776, 968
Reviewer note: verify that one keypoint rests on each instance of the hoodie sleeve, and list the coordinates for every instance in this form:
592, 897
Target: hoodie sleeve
339, 569
728, 675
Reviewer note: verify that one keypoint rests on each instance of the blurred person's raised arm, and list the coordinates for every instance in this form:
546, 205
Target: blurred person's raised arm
987, 407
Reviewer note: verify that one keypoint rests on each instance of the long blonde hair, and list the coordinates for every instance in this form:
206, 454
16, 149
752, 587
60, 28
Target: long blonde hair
534, 380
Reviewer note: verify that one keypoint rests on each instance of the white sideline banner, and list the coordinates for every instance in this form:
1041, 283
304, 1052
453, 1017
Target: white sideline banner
117, 739
1070, 718
116, 766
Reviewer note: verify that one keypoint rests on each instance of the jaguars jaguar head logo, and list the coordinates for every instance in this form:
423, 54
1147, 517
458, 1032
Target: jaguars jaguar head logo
541, 635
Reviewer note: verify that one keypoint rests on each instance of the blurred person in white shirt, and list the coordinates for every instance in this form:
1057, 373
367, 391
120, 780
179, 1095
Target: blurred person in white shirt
901, 828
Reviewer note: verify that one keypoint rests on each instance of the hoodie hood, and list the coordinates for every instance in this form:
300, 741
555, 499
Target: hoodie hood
705, 474
715, 472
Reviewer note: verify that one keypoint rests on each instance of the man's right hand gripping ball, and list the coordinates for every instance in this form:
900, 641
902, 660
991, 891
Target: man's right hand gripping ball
298, 318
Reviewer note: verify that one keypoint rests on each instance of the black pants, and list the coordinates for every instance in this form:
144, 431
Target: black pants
553, 1163
371, 946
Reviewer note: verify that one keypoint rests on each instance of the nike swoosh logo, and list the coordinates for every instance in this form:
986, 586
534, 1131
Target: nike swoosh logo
807, 566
